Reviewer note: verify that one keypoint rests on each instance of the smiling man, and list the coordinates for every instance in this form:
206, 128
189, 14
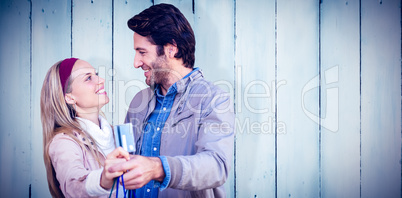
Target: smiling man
183, 124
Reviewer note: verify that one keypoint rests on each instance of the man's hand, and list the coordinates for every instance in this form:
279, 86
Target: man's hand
119, 155
140, 170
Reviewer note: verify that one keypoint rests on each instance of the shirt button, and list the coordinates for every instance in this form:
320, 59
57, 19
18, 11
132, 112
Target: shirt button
148, 190
155, 148
158, 129
164, 108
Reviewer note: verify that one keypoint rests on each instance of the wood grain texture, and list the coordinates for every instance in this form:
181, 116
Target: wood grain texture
255, 98
340, 99
380, 99
298, 147
51, 42
15, 104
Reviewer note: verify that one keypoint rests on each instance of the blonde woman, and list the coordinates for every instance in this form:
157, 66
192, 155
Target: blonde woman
78, 142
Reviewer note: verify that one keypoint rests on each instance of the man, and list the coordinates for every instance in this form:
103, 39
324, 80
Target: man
183, 124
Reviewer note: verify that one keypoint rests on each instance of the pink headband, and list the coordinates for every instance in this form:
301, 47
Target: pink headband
65, 71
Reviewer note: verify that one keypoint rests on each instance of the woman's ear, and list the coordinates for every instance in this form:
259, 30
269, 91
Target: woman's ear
69, 99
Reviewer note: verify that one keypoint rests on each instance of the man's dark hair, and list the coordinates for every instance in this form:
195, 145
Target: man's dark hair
164, 24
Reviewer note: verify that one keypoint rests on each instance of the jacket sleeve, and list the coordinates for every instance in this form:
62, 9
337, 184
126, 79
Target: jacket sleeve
68, 162
210, 166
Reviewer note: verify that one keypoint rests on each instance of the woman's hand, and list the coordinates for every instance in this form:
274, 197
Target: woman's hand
119, 155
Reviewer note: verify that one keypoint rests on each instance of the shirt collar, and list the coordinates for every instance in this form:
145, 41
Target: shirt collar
189, 74
183, 83
172, 90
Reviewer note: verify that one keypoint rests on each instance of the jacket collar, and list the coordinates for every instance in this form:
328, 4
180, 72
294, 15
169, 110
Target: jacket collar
181, 87
183, 83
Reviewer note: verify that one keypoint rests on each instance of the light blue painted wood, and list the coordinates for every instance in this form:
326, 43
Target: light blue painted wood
214, 32
127, 80
92, 41
213, 23
340, 99
214, 55
255, 98
15, 142
380, 99
298, 147
51, 42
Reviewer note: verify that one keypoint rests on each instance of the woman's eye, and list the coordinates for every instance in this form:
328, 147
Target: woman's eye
88, 78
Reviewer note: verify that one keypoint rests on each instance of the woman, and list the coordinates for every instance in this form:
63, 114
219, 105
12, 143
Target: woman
76, 138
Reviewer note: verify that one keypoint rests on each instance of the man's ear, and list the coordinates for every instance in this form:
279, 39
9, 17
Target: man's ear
69, 99
171, 50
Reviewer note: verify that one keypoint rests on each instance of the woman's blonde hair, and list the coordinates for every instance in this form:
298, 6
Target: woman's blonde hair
59, 117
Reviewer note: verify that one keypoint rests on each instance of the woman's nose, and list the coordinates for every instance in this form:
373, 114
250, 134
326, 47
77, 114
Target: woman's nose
101, 80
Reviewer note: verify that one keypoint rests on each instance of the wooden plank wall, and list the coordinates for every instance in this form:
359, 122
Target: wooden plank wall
298, 148
16, 97
50, 43
380, 98
255, 99
316, 87
340, 76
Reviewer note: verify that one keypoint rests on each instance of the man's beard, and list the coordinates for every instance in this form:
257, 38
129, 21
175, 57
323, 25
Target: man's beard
160, 72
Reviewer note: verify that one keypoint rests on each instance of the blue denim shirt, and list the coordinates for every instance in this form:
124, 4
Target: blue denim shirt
152, 137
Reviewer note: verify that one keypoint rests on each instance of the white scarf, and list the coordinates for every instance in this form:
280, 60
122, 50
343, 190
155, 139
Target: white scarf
103, 135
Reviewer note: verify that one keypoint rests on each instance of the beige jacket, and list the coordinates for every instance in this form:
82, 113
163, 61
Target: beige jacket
74, 166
